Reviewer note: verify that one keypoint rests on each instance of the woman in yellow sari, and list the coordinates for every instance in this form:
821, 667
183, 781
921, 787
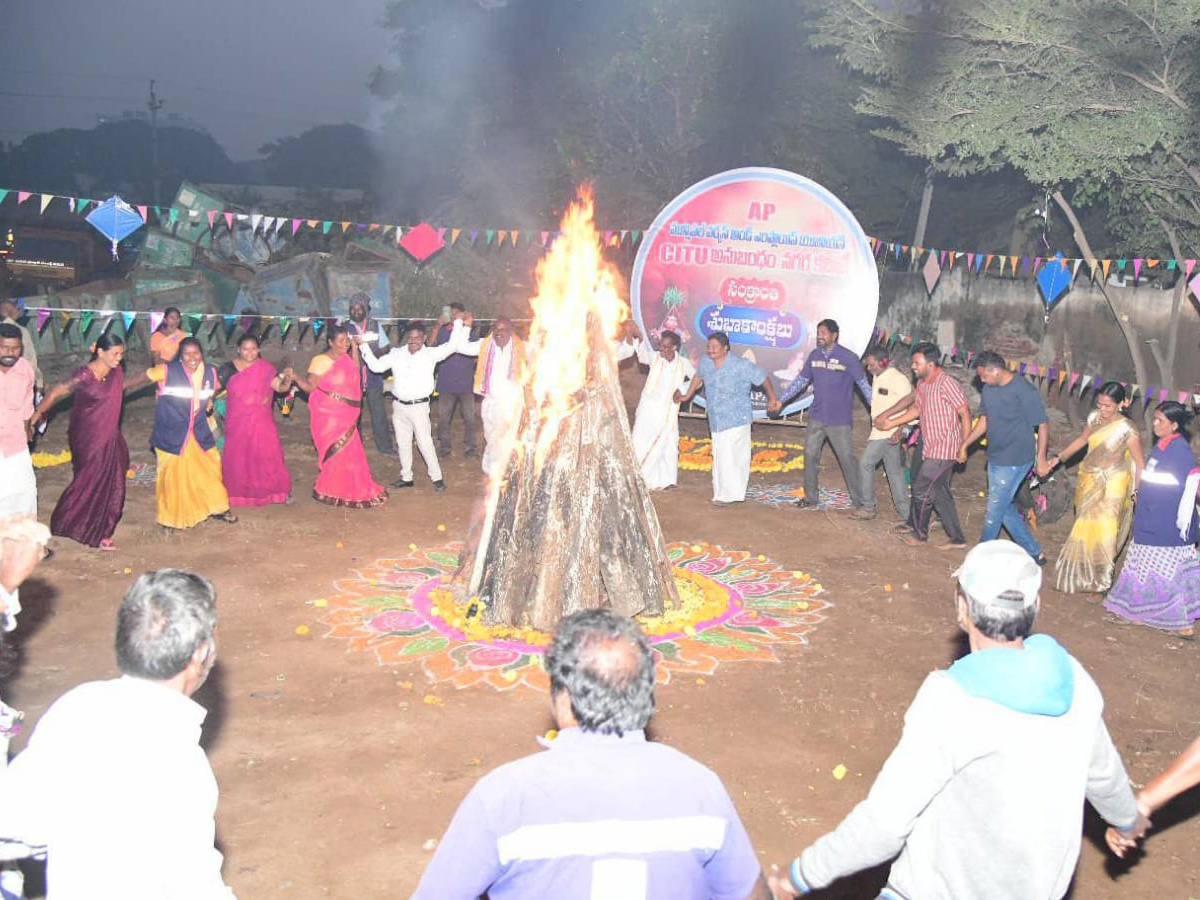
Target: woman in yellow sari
1104, 491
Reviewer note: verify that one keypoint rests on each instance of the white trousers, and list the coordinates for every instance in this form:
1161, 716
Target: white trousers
18, 486
412, 421
501, 414
731, 464
656, 446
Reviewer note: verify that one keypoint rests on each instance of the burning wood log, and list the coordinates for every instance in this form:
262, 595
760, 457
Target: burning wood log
569, 525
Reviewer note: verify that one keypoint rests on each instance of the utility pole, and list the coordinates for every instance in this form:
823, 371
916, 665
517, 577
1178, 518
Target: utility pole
923, 214
154, 106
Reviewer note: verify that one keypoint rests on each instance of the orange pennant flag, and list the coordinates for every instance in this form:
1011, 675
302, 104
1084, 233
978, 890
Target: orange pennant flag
988, 261
345, 227
1104, 266
454, 233
313, 223
501, 237
1016, 261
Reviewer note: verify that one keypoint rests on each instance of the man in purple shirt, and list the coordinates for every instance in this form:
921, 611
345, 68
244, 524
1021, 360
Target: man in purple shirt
834, 372
456, 390
602, 813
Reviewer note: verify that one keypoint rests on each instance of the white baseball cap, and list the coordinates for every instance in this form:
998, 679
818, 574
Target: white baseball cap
994, 567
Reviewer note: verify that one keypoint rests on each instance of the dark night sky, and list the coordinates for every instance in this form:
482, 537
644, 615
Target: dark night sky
247, 70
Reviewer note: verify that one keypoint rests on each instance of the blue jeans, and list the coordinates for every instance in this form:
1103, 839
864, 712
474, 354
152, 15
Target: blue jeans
1003, 483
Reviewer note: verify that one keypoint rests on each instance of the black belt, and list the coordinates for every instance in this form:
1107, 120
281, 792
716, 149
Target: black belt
413, 402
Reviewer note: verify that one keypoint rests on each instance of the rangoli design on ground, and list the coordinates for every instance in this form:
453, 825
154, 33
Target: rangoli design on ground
695, 455
787, 495
142, 474
736, 606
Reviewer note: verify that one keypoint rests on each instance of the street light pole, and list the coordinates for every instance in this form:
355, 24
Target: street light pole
154, 106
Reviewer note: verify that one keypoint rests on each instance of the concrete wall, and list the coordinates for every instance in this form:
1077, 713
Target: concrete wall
1007, 315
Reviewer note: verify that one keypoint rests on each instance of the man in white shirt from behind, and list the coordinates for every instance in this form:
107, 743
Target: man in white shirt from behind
114, 782
412, 366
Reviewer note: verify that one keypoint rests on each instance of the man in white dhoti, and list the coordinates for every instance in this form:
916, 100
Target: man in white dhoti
728, 381
656, 422
499, 379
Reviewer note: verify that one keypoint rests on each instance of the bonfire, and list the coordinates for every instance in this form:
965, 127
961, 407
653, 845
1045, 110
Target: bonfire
568, 524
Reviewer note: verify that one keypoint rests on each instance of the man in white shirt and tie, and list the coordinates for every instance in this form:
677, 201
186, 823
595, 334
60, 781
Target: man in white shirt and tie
412, 366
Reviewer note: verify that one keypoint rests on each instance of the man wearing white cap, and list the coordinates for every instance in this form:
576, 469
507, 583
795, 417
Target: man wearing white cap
982, 797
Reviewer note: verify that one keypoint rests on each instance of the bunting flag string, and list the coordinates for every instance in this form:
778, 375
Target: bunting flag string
980, 263
1051, 376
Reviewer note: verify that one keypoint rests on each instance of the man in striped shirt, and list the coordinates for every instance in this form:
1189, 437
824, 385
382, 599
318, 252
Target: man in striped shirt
945, 423
601, 813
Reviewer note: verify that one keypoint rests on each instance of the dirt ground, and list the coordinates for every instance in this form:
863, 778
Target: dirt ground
334, 775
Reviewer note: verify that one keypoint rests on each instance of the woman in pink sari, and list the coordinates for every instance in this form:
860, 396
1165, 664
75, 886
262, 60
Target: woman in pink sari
334, 386
252, 463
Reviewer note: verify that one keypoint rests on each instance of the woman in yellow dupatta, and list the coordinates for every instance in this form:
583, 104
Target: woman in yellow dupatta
1106, 485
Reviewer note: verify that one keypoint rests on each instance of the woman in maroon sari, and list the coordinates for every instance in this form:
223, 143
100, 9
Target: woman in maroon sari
252, 462
334, 386
90, 508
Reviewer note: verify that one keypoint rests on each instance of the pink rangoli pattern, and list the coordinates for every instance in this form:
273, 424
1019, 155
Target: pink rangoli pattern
736, 606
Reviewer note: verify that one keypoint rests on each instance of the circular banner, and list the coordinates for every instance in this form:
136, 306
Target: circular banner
763, 255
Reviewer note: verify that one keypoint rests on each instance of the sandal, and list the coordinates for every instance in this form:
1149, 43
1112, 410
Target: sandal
227, 517
106, 545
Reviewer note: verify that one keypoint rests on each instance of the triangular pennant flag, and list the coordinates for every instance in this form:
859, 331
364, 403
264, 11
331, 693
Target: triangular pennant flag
65, 320
325, 226
155, 320
1146, 397
4, 193
1183, 396
42, 318
127, 319
1075, 264
1016, 261
345, 228
1074, 381
192, 322
229, 220
988, 261
454, 235
474, 235
545, 237
312, 223
1104, 267
489, 235
317, 325
1162, 394
285, 325
212, 219
295, 226
624, 234
1121, 263
85, 322
270, 222
172, 215
46, 198
501, 237
1188, 265
1151, 262
1172, 265
1137, 269
106, 322
22, 196
83, 204
144, 212
970, 260
255, 221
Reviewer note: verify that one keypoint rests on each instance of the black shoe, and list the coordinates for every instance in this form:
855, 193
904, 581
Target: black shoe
805, 503
401, 483
438, 485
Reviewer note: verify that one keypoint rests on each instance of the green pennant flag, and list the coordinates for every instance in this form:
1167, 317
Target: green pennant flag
83, 204
325, 226
284, 325
172, 216
1121, 263
489, 235
1172, 265
3, 194
85, 322
192, 322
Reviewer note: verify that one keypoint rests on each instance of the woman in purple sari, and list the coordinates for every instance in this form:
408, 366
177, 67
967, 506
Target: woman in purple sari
252, 462
90, 508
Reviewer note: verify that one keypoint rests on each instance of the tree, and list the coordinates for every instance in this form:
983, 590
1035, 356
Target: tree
1091, 100
326, 156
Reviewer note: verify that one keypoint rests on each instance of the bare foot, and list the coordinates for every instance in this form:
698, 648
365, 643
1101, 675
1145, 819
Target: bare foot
951, 545
912, 540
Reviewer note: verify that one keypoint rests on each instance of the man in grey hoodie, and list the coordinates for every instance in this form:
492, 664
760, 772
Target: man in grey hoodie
982, 797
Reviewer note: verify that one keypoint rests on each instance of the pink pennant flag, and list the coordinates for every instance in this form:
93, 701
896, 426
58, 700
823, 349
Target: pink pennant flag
1183, 397
442, 233
229, 220
212, 221
1074, 381
145, 212
1137, 268
43, 318
155, 320
1188, 265
970, 260
295, 226
22, 196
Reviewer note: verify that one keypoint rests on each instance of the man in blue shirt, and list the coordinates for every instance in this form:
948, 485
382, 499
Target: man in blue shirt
1010, 409
834, 372
456, 390
601, 812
